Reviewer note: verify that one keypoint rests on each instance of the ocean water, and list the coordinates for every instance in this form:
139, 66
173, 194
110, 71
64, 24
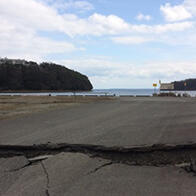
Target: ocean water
119, 92
116, 92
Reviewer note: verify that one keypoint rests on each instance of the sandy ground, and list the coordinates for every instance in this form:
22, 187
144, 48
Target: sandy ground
11, 106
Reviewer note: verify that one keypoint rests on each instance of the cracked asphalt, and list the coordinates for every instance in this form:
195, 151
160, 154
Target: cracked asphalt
78, 174
117, 124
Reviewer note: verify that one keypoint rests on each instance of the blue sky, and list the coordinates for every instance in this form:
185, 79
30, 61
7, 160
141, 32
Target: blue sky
117, 44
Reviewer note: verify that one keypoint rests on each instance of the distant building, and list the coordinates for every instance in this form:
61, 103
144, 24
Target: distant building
166, 86
13, 61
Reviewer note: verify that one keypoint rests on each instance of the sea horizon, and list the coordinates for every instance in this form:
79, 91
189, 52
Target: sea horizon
100, 92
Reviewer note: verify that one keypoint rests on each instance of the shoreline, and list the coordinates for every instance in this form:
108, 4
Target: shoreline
42, 91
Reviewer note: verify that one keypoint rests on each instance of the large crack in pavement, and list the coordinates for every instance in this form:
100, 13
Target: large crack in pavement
47, 178
159, 155
182, 155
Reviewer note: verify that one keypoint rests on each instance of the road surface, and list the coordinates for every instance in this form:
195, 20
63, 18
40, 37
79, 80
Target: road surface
123, 122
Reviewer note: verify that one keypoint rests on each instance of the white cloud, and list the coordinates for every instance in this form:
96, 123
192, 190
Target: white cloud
113, 25
173, 27
107, 67
183, 11
81, 6
38, 16
167, 69
163, 28
20, 42
175, 13
107, 73
93, 67
128, 40
143, 17
190, 5
21, 20
107, 24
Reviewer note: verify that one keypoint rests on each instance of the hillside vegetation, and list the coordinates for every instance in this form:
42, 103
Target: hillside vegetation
24, 75
189, 84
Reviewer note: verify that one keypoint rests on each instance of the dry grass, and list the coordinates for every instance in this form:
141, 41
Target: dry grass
19, 105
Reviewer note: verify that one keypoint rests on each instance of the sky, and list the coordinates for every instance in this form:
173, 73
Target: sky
117, 44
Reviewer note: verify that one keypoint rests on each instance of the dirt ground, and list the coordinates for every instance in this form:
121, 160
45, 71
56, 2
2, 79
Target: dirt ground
11, 106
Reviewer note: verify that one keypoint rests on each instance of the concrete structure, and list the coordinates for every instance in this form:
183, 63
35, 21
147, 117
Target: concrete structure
166, 86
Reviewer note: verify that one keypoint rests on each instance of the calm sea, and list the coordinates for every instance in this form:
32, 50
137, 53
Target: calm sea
116, 92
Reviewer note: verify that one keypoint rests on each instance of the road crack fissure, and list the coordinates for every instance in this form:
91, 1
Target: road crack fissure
29, 163
100, 167
47, 178
155, 155
18, 169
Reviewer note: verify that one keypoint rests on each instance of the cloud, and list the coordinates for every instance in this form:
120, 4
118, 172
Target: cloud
93, 66
22, 42
107, 24
19, 23
104, 72
190, 5
39, 16
129, 40
31, 14
107, 67
173, 27
80, 6
143, 17
22, 20
175, 13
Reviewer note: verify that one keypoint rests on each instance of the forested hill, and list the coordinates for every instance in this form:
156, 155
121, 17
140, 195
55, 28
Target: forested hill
189, 84
24, 75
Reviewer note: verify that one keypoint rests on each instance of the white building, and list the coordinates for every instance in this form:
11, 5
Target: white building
166, 86
13, 61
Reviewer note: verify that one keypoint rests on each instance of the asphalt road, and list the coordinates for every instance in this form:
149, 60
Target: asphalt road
122, 122
78, 175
